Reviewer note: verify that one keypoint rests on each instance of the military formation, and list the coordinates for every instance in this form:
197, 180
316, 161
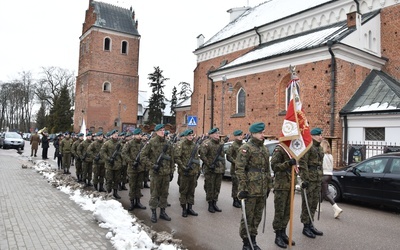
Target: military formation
107, 162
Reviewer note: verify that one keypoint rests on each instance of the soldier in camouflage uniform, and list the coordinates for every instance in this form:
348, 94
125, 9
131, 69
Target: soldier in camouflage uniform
231, 155
282, 165
311, 175
110, 152
255, 182
86, 159
161, 174
187, 175
78, 161
99, 171
135, 169
65, 150
123, 138
212, 173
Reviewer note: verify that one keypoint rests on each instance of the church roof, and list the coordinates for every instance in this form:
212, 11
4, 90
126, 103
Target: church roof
378, 93
264, 14
114, 18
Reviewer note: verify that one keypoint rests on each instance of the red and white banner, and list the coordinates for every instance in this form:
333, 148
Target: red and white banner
295, 135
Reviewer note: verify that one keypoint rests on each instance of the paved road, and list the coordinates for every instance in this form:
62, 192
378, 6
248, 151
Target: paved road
360, 226
35, 215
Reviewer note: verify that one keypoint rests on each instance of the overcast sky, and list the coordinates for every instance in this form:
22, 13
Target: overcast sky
44, 33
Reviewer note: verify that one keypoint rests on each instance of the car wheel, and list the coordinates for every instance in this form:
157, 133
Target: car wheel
335, 191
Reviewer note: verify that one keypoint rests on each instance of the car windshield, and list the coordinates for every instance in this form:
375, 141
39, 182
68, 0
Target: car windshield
13, 135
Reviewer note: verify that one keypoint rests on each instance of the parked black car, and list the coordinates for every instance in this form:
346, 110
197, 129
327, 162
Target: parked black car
374, 180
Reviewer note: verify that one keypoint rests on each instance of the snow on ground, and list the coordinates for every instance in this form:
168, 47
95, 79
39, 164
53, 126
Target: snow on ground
124, 230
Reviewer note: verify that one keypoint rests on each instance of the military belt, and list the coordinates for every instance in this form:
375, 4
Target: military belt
314, 167
257, 170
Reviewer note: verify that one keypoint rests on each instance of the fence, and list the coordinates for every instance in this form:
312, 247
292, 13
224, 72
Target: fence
353, 152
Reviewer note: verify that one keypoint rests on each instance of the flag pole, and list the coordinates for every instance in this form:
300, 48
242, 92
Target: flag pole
291, 209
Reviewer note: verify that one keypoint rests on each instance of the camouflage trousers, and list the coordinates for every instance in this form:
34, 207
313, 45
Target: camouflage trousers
254, 212
87, 170
187, 187
135, 184
78, 166
124, 174
112, 178
235, 184
159, 186
313, 195
99, 173
212, 185
282, 209
66, 161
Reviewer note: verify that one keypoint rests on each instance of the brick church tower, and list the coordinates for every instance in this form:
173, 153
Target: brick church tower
107, 86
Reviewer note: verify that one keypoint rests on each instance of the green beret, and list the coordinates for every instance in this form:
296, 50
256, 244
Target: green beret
89, 133
137, 131
188, 132
158, 127
257, 127
212, 131
316, 131
113, 131
182, 134
237, 132
100, 133
121, 133
81, 134
129, 133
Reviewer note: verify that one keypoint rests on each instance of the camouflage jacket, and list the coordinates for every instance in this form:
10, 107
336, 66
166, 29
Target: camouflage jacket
74, 147
94, 150
107, 151
65, 145
252, 168
82, 152
311, 163
151, 153
208, 151
129, 153
282, 169
232, 153
183, 151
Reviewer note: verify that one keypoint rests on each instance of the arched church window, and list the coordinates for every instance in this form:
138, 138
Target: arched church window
107, 44
241, 101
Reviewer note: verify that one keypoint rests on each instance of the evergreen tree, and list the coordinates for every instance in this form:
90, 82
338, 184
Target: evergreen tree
185, 91
41, 116
157, 99
174, 100
62, 116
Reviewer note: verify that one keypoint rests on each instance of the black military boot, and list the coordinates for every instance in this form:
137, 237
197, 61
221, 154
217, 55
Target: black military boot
253, 240
246, 244
119, 187
89, 182
153, 215
132, 205
95, 187
139, 205
236, 203
216, 208
211, 207
164, 215
145, 185
184, 210
315, 231
307, 231
115, 194
190, 211
279, 240
286, 238
123, 187
101, 188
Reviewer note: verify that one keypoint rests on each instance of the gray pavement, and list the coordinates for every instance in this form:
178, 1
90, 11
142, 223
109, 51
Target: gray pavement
35, 215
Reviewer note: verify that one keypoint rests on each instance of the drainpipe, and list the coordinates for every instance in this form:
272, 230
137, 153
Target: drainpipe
212, 100
345, 137
333, 83
259, 35
358, 6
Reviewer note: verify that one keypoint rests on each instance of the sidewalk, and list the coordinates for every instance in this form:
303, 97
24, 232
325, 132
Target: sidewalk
35, 215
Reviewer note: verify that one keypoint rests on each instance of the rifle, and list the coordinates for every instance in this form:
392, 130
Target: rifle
137, 159
114, 155
217, 156
97, 158
84, 157
163, 155
189, 165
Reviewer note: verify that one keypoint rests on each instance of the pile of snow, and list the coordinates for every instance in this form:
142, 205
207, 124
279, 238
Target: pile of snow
125, 230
